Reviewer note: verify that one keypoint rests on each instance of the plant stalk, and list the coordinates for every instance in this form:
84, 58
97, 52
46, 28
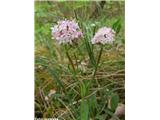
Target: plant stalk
98, 60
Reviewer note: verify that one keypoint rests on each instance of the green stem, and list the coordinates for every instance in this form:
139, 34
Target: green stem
71, 62
69, 58
98, 60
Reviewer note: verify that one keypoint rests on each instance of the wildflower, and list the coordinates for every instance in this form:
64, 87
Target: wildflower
66, 31
103, 36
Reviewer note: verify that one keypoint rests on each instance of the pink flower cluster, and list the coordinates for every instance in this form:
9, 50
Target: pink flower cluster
66, 31
103, 36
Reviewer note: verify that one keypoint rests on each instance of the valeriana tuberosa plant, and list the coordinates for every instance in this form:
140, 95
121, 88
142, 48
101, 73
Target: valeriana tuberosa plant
103, 36
67, 32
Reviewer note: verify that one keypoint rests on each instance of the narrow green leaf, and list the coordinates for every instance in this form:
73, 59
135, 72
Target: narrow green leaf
93, 105
90, 53
114, 101
84, 88
117, 26
84, 110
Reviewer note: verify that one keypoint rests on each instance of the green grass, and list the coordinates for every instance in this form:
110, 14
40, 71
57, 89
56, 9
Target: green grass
79, 95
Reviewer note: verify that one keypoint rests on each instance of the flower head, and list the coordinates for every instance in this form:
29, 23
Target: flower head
103, 36
66, 31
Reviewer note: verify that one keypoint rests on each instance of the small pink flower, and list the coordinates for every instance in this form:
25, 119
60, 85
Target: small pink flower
66, 31
103, 36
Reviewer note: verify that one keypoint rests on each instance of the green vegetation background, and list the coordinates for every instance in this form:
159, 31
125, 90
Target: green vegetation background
52, 68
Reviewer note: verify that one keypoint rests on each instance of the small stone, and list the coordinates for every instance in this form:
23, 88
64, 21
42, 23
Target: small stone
120, 110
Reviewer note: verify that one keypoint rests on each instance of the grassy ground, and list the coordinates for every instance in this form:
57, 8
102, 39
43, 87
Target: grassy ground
63, 93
